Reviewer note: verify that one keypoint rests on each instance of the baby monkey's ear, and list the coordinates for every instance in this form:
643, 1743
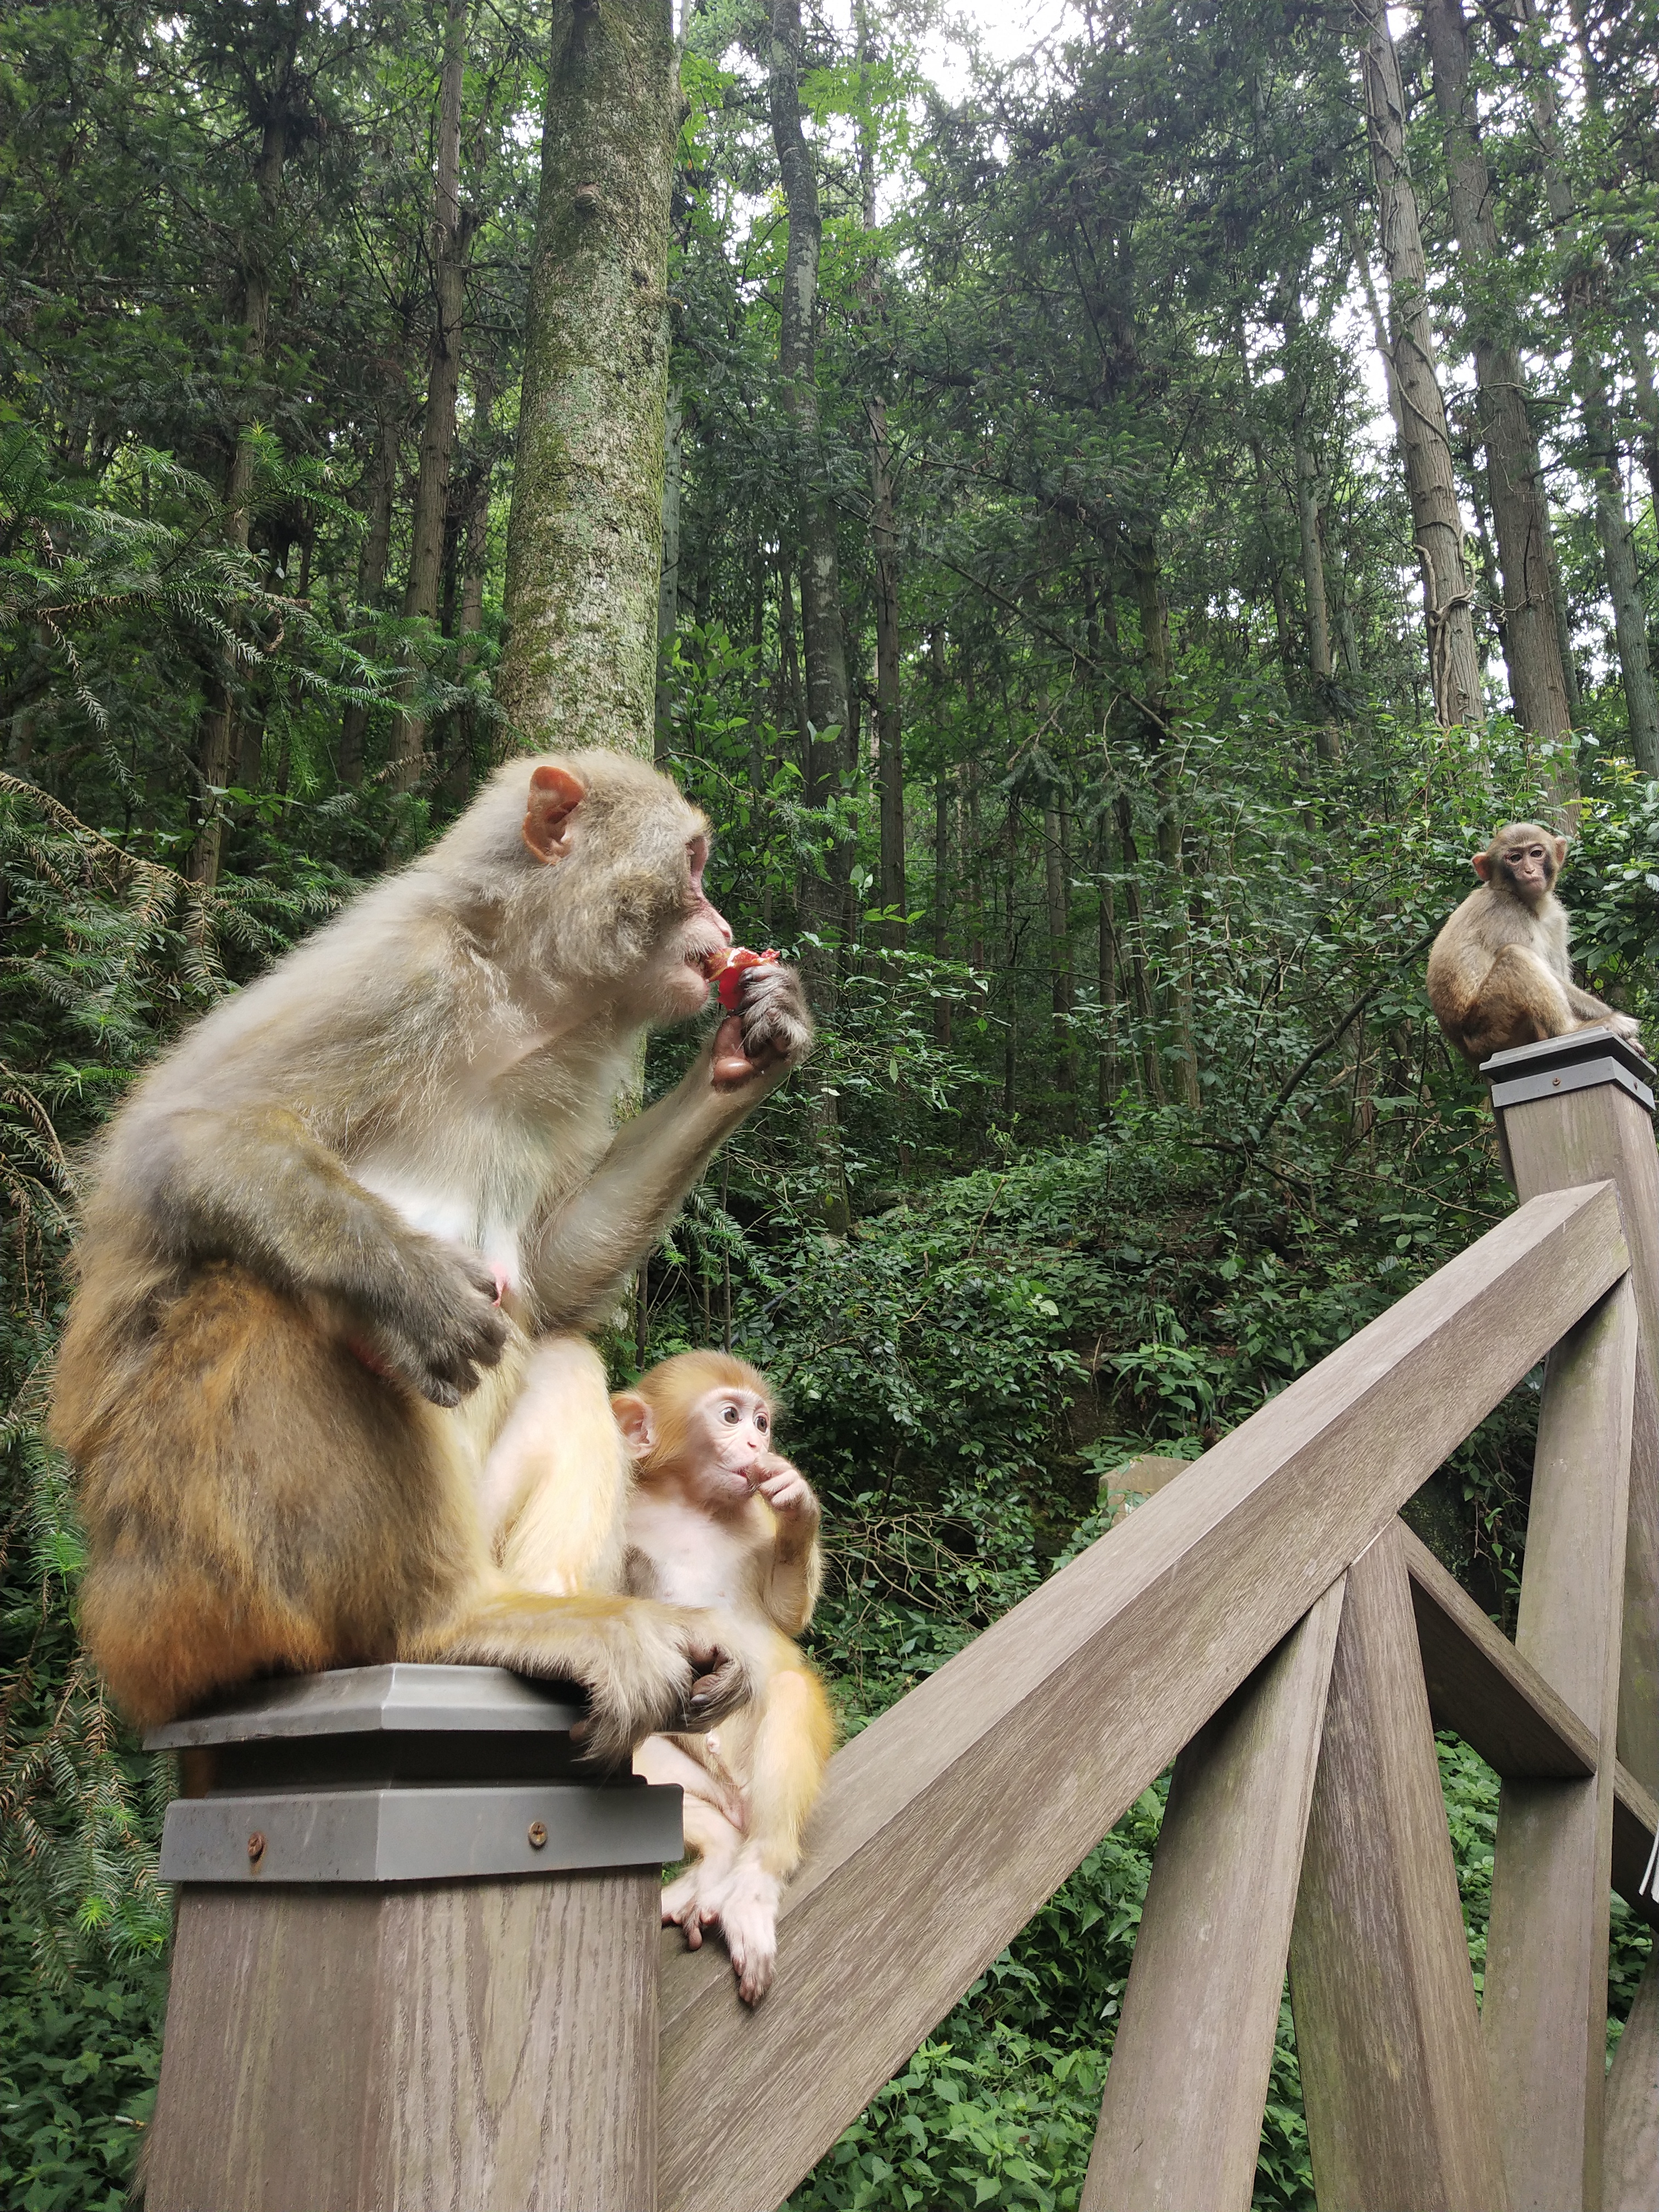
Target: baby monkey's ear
634, 1419
554, 795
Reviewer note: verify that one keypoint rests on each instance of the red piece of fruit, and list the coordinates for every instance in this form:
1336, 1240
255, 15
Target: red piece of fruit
729, 981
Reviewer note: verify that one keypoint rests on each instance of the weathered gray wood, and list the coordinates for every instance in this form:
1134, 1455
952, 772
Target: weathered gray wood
1630, 2163
1481, 1688
948, 1822
432, 2048
1555, 1143
1394, 2080
1546, 2006
1181, 2122
1635, 1817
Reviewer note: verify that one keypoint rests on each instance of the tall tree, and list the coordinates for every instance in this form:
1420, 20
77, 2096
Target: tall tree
1448, 599
584, 547
823, 641
274, 89
1514, 472
884, 542
1578, 258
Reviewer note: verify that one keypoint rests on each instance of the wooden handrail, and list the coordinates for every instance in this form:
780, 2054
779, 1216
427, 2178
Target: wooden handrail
955, 1815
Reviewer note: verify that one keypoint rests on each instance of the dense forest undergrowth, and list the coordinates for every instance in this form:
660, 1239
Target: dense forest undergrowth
1043, 627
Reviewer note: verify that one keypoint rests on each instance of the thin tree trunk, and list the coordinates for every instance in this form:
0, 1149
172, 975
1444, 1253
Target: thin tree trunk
1453, 668
823, 638
1265, 518
942, 902
217, 742
451, 234
1159, 668
883, 539
584, 550
1319, 664
1514, 472
1140, 985
372, 564
1601, 463
1107, 1071
668, 583
1056, 873
890, 742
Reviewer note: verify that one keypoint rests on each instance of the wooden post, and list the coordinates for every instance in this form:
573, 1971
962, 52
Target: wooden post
1577, 1110
1392, 2077
416, 1962
1181, 2123
1546, 2007
1629, 2166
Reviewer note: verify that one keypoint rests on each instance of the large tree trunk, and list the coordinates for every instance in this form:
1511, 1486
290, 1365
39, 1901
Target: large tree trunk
1514, 473
1454, 665
823, 638
452, 230
215, 747
584, 547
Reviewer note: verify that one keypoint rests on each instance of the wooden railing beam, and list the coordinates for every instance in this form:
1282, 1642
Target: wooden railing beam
949, 1821
1393, 2082
1546, 2006
1181, 2122
1481, 1688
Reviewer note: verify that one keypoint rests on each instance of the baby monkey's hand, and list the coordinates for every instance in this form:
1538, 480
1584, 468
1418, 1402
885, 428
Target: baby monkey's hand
785, 1488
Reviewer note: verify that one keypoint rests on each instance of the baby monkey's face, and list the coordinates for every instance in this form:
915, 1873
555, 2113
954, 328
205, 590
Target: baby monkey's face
735, 1428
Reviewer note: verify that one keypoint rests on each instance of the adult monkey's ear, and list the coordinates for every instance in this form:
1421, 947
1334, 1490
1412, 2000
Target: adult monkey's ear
554, 795
1561, 844
1481, 863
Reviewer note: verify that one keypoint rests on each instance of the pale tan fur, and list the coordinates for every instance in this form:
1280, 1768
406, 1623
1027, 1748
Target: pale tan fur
750, 1784
341, 1203
1500, 974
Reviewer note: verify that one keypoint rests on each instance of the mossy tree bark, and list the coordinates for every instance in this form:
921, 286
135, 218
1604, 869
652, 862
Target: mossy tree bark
584, 546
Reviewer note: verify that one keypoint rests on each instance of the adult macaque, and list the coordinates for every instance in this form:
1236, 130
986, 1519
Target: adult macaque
718, 1519
322, 1227
1499, 973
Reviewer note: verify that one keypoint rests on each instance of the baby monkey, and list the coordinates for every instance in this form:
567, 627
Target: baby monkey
717, 1512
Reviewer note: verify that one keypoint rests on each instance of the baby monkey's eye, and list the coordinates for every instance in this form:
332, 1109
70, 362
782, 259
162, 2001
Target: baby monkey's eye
760, 1421
730, 1413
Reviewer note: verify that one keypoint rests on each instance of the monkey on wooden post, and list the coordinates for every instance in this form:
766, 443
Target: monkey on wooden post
323, 1227
719, 1519
1499, 973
